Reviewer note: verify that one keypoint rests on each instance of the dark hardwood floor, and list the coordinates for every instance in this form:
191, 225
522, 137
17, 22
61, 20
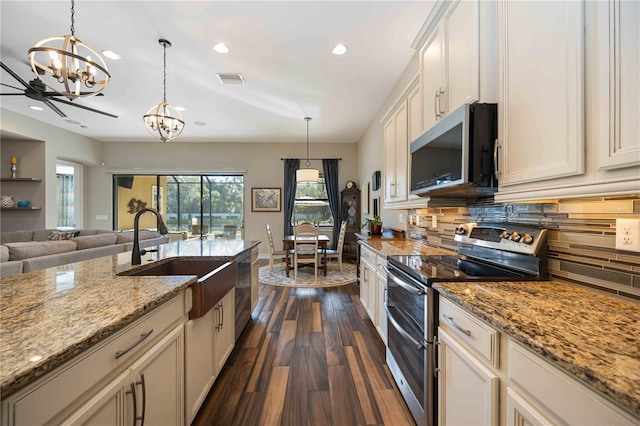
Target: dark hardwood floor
309, 357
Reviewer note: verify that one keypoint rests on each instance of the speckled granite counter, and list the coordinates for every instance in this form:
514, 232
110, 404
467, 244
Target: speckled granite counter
593, 337
49, 316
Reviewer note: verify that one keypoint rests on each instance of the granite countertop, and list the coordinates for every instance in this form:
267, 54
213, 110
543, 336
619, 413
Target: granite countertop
390, 247
592, 336
49, 316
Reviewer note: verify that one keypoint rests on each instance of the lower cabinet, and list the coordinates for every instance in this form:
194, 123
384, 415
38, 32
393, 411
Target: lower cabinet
209, 341
149, 392
136, 374
519, 387
373, 288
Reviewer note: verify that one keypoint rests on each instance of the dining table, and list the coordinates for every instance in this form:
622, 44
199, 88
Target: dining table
289, 240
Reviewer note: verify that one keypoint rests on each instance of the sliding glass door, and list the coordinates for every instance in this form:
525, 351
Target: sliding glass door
193, 206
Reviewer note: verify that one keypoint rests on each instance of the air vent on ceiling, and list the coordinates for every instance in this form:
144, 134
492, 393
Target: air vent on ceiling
231, 78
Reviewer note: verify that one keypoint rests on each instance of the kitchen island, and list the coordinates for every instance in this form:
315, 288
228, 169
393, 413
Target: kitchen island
50, 317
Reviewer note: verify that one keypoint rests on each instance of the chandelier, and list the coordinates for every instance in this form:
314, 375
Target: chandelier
163, 120
71, 65
307, 175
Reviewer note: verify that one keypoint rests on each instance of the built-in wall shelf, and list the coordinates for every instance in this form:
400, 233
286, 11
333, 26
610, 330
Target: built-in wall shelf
22, 179
20, 208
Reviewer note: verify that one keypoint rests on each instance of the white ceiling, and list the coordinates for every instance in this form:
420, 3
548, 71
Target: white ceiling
282, 49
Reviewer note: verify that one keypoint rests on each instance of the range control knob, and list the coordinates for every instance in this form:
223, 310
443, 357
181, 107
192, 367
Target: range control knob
504, 235
514, 236
527, 239
460, 230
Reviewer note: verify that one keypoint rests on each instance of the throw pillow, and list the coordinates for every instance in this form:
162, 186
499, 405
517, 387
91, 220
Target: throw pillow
62, 235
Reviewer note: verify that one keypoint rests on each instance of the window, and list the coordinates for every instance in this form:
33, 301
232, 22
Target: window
68, 193
312, 203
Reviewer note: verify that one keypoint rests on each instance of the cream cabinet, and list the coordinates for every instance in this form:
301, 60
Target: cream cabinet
396, 154
568, 130
458, 58
486, 377
209, 342
255, 285
373, 288
138, 372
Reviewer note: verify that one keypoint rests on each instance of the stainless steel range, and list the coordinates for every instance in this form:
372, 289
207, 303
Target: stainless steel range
486, 252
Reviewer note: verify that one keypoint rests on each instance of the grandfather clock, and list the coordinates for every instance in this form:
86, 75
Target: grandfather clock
350, 211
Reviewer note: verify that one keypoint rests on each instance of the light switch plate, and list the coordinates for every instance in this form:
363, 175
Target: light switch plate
628, 234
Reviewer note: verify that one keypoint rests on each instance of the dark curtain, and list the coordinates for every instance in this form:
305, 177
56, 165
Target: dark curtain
330, 168
289, 193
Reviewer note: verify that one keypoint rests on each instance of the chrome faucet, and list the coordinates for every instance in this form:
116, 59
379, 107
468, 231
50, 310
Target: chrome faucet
137, 253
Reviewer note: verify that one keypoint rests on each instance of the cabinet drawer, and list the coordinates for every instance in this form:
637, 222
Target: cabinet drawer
472, 332
561, 396
41, 401
368, 254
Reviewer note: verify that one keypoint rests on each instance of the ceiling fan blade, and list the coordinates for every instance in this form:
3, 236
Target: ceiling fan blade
14, 75
51, 94
13, 87
57, 110
83, 107
11, 94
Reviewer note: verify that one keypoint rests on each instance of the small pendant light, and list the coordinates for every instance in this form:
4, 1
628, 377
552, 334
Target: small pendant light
307, 175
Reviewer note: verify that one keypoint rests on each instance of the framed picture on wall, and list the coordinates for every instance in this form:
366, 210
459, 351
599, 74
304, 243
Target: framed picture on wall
266, 199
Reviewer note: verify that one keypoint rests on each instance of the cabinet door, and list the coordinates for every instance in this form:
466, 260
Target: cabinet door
389, 159
255, 286
521, 413
541, 93
468, 391
199, 363
158, 377
431, 77
402, 152
618, 91
365, 285
381, 297
110, 406
414, 103
462, 55
225, 334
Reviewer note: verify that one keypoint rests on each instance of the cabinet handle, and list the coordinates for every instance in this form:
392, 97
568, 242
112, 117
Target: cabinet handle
140, 340
221, 315
441, 110
144, 399
436, 107
456, 326
436, 370
496, 172
135, 405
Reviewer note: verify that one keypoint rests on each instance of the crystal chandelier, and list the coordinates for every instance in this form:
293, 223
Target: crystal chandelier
163, 120
71, 65
307, 175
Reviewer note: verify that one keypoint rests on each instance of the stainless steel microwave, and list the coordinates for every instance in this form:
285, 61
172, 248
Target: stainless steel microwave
456, 156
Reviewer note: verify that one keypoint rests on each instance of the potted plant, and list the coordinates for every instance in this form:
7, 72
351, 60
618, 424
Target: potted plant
374, 225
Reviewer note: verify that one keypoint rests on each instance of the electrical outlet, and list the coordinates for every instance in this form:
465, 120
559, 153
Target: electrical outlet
628, 234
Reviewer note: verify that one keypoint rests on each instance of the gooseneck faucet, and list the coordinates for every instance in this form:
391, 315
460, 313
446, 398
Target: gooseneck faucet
136, 254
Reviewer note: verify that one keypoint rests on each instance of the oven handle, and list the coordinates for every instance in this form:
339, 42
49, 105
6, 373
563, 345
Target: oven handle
404, 285
418, 345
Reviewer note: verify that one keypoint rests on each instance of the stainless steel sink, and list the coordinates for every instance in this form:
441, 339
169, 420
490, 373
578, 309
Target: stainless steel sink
215, 279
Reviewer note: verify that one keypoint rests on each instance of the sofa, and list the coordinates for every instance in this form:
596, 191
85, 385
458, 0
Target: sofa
26, 251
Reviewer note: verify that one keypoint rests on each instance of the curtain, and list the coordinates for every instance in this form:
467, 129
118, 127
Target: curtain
289, 193
65, 200
330, 169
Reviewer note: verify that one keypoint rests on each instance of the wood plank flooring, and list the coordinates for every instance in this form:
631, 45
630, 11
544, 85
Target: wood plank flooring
309, 357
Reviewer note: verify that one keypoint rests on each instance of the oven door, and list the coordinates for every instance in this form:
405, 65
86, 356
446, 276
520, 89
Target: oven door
409, 306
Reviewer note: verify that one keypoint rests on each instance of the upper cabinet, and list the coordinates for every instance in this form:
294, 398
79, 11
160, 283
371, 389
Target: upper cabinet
396, 154
569, 99
458, 58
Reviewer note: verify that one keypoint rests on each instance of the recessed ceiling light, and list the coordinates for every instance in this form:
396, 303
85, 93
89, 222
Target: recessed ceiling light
111, 54
340, 49
181, 109
35, 107
199, 123
82, 126
221, 48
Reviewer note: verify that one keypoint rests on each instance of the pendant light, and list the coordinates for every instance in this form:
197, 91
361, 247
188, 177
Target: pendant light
71, 65
307, 175
163, 120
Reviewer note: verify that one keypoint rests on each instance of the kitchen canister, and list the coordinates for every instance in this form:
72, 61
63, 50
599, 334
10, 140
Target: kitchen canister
7, 201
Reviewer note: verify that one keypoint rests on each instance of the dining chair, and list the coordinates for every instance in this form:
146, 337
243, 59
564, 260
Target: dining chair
305, 252
337, 253
273, 253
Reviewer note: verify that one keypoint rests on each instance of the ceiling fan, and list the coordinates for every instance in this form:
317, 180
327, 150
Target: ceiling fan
36, 90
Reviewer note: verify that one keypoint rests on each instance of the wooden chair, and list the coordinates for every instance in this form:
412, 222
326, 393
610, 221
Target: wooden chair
274, 255
307, 252
337, 253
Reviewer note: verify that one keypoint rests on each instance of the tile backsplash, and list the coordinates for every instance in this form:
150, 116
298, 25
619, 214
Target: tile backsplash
581, 237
